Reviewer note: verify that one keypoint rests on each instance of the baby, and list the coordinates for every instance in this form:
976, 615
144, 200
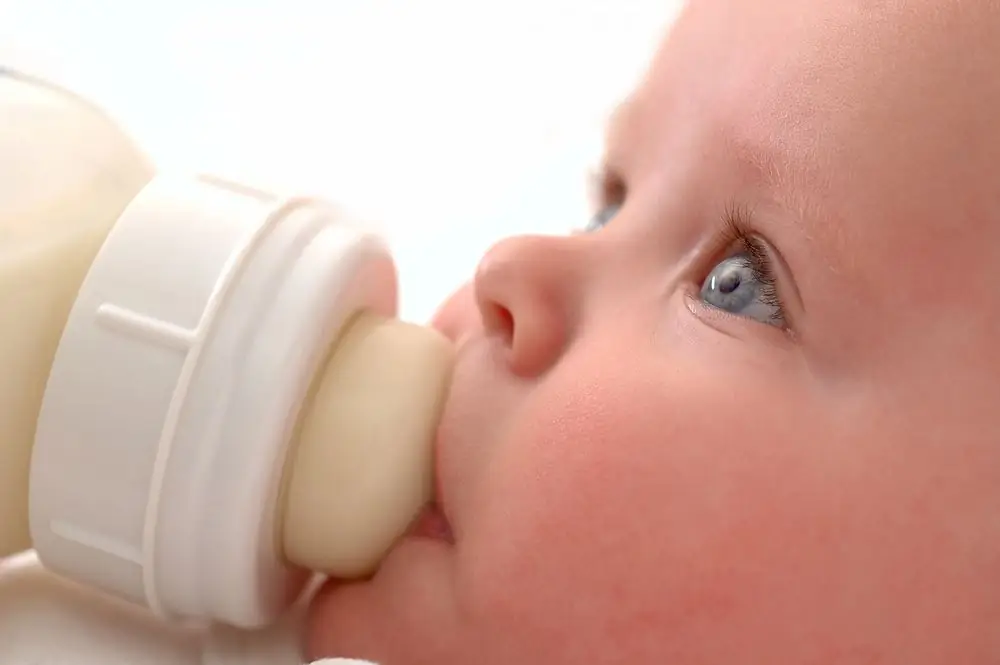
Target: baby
751, 415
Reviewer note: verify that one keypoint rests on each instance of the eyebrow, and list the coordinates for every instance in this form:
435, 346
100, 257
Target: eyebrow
772, 174
768, 168
762, 164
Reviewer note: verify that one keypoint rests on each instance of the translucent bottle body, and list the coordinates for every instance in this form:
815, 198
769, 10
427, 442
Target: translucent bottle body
69, 172
176, 348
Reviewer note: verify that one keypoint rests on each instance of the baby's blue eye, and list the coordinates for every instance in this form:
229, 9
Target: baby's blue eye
736, 285
602, 217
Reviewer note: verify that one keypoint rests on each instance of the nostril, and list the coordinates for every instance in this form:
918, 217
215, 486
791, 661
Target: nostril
500, 321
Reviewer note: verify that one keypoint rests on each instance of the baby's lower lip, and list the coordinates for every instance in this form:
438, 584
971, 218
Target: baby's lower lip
432, 524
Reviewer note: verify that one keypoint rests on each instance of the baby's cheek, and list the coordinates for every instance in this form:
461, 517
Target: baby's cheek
578, 545
624, 520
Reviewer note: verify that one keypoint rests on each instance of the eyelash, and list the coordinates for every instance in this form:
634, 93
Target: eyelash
738, 233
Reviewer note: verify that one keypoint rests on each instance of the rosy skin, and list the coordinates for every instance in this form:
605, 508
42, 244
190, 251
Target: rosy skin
633, 476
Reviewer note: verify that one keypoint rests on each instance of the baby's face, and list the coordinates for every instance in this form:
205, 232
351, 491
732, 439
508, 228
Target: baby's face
755, 416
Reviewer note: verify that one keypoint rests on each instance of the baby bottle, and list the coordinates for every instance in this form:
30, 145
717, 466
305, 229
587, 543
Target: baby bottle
204, 393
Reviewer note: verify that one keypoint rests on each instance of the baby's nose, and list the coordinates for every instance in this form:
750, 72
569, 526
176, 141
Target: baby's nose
528, 289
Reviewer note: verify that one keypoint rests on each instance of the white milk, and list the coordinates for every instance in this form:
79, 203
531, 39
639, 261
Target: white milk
72, 173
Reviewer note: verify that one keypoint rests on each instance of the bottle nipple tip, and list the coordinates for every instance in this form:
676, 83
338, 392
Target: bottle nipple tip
363, 466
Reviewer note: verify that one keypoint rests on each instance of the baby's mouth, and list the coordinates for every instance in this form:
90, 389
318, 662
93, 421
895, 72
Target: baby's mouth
432, 524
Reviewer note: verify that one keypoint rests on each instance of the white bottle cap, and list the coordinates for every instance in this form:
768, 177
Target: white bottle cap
176, 389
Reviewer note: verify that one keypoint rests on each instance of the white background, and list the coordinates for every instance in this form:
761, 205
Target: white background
449, 123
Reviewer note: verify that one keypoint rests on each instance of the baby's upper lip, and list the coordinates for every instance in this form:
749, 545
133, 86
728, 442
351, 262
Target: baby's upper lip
444, 444
444, 436
438, 503
440, 436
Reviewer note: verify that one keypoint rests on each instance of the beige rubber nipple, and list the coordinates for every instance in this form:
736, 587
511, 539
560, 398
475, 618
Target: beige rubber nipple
363, 466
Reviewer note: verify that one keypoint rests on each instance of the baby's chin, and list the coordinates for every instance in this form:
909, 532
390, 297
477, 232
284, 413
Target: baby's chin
405, 613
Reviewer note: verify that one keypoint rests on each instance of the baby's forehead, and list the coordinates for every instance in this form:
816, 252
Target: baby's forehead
811, 82
882, 108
